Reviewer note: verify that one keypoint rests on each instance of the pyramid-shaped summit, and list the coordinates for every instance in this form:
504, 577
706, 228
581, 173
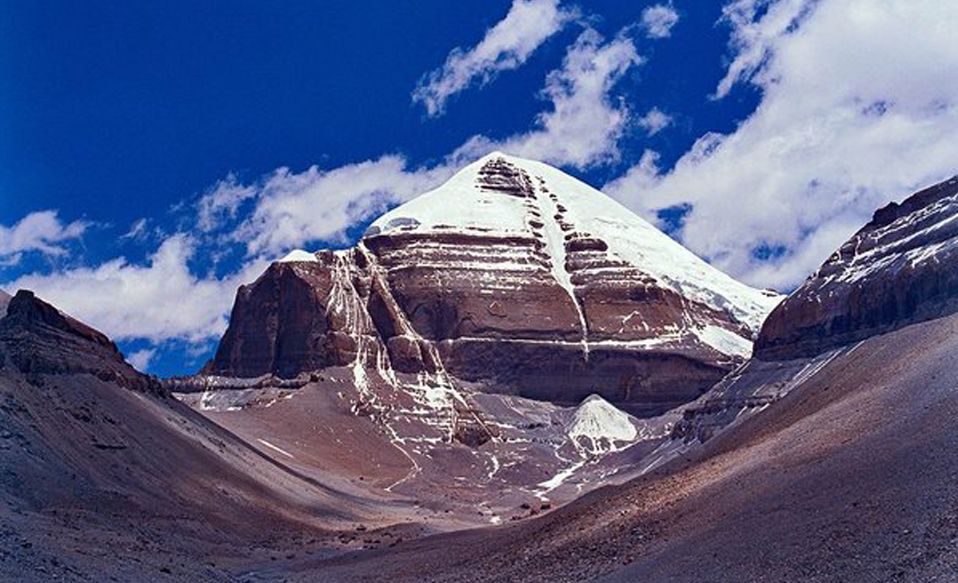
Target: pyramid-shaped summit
512, 277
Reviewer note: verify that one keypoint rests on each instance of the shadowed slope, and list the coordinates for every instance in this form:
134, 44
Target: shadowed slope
96, 458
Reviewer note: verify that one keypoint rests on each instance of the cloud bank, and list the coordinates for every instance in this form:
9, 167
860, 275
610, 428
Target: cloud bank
159, 300
859, 107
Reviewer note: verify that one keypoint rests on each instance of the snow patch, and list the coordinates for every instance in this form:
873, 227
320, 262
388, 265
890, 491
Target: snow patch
724, 341
298, 255
276, 449
599, 427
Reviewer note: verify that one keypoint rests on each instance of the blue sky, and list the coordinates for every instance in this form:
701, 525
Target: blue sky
155, 156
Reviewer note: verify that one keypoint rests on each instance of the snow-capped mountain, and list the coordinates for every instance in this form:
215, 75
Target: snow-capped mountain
513, 276
570, 219
481, 314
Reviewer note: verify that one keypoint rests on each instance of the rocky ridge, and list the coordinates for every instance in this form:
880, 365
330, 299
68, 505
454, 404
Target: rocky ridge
891, 273
895, 271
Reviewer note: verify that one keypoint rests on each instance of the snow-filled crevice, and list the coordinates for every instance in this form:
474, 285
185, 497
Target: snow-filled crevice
555, 247
435, 390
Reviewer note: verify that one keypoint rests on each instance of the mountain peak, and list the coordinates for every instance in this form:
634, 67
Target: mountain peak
29, 311
504, 195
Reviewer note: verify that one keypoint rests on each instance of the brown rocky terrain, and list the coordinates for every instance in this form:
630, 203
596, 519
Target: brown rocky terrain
104, 474
846, 479
831, 467
825, 457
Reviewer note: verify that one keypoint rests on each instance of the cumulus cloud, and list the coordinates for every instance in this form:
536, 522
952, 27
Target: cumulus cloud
41, 231
320, 205
506, 46
141, 359
159, 300
857, 109
584, 126
654, 121
658, 20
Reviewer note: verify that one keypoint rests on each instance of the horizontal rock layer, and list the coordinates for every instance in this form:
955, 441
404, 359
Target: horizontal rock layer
899, 269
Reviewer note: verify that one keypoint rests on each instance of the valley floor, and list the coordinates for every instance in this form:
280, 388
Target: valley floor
851, 477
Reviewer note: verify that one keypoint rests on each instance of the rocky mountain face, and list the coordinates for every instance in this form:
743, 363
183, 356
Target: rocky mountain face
514, 278
845, 475
39, 339
897, 270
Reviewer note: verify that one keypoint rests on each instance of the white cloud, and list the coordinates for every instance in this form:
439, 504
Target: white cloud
658, 20
506, 46
585, 125
753, 38
654, 121
40, 231
141, 359
159, 300
320, 205
857, 109
221, 202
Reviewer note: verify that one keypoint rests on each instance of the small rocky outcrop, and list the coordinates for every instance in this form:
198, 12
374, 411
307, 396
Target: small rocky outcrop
39, 339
